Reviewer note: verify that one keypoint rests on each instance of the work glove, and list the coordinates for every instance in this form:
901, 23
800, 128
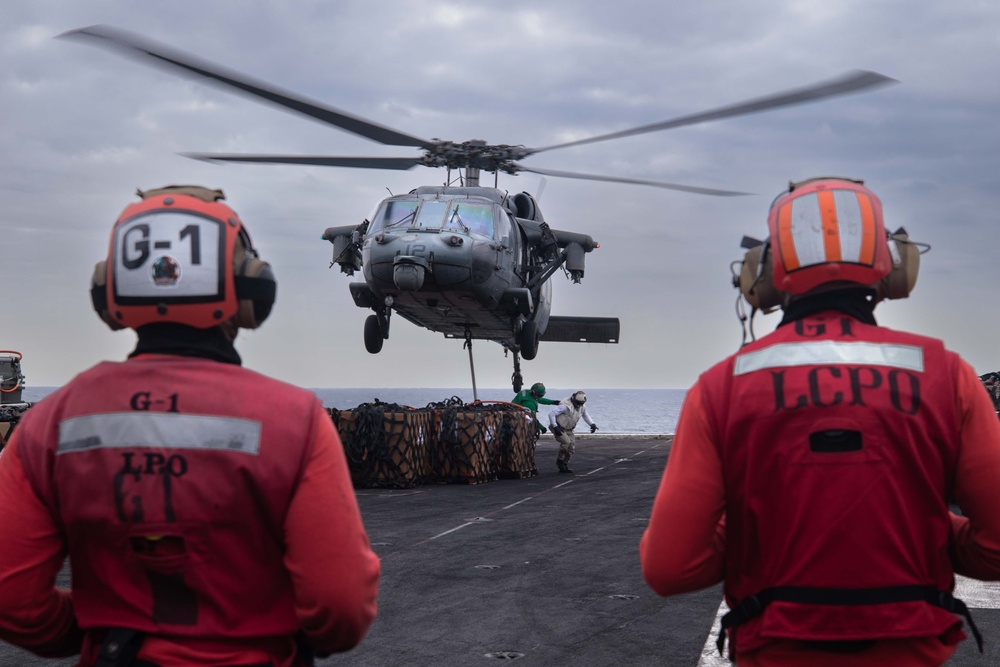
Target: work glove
557, 431
543, 429
593, 427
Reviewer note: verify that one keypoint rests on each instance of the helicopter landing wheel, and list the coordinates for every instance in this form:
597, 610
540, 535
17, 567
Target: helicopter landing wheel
373, 335
528, 340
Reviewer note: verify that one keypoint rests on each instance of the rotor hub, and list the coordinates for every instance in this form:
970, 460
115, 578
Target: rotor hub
476, 154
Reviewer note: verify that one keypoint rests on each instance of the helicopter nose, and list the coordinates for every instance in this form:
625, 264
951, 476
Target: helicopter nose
408, 277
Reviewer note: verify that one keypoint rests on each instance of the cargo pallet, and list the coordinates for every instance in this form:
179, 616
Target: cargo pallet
393, 446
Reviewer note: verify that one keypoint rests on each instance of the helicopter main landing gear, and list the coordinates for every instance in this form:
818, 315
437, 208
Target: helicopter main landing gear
527, 340
376, 331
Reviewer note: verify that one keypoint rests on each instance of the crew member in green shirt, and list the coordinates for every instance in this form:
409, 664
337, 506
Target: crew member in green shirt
530, 398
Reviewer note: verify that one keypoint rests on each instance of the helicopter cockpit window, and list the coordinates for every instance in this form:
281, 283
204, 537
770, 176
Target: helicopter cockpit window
432, 214
504, 227
395, 214
458, 215
471, 218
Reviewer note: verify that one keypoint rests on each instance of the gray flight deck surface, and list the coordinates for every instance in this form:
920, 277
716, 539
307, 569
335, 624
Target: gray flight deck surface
538, 571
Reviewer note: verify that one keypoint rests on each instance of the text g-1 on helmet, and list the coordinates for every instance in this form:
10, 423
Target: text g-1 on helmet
538, 389
181, 255
827, 230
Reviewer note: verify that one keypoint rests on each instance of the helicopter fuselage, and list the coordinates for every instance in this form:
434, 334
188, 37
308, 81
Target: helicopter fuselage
452, 260
452, 281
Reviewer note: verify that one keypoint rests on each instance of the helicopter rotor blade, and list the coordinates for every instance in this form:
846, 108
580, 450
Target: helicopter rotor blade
849, 83
133, 44
634, 181
400, 163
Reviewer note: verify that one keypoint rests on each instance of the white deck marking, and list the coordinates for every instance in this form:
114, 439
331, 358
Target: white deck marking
552, 488
522, 500
978, 594
974, 593
710, 652
452, 530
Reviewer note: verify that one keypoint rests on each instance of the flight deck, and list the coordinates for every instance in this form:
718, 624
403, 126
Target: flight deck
543, 570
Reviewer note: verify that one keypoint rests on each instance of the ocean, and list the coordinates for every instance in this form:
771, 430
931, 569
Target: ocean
615, 411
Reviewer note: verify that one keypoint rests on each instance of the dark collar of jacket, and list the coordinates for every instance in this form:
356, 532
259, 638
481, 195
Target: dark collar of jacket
856, 302
185, 341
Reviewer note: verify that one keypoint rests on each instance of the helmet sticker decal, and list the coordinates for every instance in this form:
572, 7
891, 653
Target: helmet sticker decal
166, 271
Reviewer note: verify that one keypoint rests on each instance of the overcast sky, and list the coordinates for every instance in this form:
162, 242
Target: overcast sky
82, 127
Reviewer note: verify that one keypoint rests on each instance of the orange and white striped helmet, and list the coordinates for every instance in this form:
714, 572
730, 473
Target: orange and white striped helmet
827, 230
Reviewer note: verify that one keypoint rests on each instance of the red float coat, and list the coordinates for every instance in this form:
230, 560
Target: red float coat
201, 503
831, 511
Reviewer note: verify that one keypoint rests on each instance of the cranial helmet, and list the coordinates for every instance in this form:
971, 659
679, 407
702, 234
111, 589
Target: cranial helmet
827, 231
579, 398
181, 255
538, 389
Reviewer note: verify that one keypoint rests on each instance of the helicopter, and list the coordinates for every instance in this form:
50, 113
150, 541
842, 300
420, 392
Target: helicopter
469, 261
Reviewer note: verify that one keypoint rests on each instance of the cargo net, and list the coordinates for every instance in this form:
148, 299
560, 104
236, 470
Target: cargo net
991, 381
393, 446
10, 415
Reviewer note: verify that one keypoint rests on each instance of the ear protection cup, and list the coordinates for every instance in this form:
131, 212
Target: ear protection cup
756, 280
99, 296
905, 266
256, 287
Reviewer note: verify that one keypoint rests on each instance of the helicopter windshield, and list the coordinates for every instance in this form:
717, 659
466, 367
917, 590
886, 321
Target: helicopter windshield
399, 213
471, 218
436, 214
432, 214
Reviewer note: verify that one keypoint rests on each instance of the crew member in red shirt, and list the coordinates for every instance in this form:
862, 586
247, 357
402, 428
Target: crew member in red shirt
207, 510
812, 471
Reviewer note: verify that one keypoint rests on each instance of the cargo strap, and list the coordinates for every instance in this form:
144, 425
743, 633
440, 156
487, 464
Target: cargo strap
754, 605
